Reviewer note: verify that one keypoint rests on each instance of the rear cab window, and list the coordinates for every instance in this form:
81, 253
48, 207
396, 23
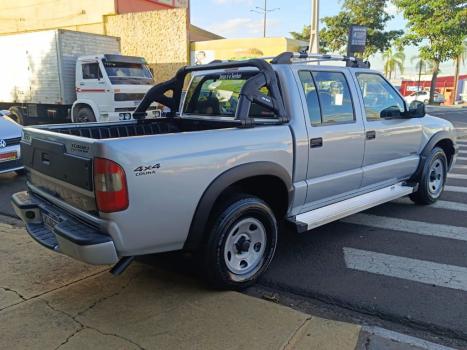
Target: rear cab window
217, 94
328, 97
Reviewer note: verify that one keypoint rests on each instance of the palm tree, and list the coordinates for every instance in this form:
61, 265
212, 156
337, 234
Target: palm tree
393, 61
421, 65
460, 59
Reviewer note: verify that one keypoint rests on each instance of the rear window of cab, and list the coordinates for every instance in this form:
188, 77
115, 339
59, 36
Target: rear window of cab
218, 94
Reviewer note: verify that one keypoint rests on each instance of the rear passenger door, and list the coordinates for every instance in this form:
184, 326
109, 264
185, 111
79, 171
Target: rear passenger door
392, 144
336, 136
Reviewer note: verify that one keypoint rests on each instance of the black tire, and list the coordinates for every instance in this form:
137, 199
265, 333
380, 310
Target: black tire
427, 192
85, 115
239, 210
16, 115
20, 171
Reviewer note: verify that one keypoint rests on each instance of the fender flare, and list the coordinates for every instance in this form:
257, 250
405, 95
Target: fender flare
437, 137
90, 103
220, 184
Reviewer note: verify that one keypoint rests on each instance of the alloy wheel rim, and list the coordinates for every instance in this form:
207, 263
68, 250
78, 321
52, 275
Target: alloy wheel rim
245, 246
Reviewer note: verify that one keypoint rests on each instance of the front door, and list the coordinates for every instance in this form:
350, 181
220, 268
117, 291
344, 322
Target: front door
336, 136
392, 144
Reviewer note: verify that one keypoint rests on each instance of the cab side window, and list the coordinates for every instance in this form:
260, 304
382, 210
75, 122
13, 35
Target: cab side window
334, 97
379, 97
91, 71
311, 96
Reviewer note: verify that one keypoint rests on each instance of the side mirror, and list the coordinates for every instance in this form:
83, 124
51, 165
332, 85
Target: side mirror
392, 112
416, 110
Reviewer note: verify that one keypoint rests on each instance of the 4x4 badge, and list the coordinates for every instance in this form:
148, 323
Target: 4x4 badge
143, 170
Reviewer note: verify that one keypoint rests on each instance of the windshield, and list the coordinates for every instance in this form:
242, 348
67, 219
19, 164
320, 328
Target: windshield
128, 73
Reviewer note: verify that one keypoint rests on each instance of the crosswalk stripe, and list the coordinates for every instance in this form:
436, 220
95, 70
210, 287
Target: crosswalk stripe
447, 205
457, 176
457, 189
427, 272
409, 226
460, 166
461, 158
462, 153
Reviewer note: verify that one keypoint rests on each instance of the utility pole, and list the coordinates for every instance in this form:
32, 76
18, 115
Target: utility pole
314, 28
264, 11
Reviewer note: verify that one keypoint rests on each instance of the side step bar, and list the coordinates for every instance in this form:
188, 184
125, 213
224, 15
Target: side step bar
321, 216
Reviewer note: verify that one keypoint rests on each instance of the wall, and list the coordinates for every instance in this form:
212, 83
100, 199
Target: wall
161, 37
225, 49
29, 15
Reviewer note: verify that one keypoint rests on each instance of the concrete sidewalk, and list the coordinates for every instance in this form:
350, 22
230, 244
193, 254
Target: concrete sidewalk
48, 301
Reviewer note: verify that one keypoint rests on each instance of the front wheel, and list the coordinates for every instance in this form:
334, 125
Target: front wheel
241, 243
85, 115
432, 179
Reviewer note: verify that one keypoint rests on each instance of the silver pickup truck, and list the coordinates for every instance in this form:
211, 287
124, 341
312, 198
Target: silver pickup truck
251, 143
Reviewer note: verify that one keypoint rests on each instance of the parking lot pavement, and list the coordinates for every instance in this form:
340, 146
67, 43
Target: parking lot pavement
48, 301
399, 262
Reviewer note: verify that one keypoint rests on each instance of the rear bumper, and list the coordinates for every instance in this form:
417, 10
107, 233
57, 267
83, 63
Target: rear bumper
56, 230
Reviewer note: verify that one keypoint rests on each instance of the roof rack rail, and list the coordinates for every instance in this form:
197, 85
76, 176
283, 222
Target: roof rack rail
304, 57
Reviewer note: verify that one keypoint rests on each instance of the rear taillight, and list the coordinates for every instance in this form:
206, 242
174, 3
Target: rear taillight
110, 186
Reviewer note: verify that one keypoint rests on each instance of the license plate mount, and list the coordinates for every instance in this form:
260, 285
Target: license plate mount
49, 221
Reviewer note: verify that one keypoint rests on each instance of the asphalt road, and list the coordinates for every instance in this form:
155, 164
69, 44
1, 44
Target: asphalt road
397, 262
10, 183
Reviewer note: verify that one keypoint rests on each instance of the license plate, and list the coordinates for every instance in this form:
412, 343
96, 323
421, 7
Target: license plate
49, 221
5, 157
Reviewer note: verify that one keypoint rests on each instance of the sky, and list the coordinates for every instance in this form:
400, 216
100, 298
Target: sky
234, 19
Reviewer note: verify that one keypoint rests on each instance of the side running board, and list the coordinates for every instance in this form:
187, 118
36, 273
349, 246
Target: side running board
321, 216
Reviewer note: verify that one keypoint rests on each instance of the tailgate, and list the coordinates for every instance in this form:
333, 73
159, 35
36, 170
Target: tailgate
60, 165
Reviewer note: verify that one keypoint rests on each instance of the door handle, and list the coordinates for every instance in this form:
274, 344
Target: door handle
317, 142
371, 135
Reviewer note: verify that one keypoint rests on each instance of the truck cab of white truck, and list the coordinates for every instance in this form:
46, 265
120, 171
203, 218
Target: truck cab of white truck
58, 76
110, 87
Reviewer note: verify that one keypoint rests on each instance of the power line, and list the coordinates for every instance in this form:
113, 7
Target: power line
264, 11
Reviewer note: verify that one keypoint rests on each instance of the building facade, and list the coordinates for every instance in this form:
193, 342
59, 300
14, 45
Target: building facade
158, 30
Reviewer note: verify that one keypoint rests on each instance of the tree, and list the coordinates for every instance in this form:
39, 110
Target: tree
368, 13
393, 60
304, 35
439, 26
421, 65
461, 57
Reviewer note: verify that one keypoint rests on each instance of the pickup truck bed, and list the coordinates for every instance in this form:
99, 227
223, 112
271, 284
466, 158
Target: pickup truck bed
133, 128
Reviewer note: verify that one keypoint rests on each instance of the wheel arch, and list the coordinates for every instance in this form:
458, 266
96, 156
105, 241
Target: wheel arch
442, 139
252, 178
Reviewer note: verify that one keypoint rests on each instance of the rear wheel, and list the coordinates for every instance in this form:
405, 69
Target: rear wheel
16, 115
241, 243
433, 178
85, 115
